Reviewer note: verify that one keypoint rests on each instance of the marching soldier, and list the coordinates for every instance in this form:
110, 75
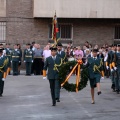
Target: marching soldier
109, 65
8, 54
116, 66
52, 63
28, 59
3, 68
15, 60
95, 69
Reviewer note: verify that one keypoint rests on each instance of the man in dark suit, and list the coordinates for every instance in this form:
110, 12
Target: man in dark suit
52, 63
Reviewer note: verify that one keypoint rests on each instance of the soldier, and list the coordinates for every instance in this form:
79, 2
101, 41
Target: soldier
116, 66
28, 59
61, 53
3, 68
15, 60
109, 65
8, 54
19, 48
95, 69
52, 63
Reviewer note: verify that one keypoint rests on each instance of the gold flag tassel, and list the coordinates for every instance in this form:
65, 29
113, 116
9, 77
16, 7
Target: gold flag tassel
78, 74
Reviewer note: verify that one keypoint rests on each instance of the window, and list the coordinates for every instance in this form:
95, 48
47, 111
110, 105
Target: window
117, 32
2, 31
65, 31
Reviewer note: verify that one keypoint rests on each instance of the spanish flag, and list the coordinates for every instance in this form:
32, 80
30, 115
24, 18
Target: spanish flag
55, 30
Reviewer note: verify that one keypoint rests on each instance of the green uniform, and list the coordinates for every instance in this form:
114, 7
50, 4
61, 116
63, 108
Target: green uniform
8, 54
28, 59
116, 60
62, 55
109, 61
15, 61
95, 66
3, 68
52, 75
20, 56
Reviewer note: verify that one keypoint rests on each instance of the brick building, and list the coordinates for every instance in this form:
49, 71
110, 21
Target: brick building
96, 21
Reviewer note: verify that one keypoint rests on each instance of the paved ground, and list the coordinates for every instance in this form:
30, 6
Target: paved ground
28, 98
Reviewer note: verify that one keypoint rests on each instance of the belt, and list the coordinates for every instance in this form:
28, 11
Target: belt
8, 55
28, 56
15, 56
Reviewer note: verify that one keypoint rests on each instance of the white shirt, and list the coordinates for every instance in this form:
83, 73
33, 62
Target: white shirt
46, 53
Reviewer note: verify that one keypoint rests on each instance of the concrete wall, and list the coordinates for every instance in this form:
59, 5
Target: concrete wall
2, 8
77, 8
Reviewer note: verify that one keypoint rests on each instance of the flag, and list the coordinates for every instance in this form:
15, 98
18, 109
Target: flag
55, 30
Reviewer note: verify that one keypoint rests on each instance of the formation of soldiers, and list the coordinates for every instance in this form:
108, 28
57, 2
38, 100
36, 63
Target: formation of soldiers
15, 57
113, 64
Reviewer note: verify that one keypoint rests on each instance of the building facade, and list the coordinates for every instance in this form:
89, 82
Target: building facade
24, 21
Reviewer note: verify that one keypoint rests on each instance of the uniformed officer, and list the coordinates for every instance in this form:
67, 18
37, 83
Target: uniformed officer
95, 69
3, 68
20, 50
61, 53
109, 65
52, 63
15, 60
116, 66
8, 54
28, 59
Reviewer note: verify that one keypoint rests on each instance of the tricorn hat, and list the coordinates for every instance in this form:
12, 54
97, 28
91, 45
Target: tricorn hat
59, 44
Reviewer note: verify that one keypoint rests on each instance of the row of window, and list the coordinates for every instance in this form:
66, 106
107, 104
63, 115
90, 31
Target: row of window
65, 30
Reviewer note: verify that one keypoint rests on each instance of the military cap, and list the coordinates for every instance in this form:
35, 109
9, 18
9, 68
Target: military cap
95, 50
1, 49
59, 44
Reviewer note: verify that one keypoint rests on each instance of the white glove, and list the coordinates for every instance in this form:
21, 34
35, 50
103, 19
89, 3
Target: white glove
111, 70
24, 61
3, 79
107, 67
11, 61
102, 78
32, 61
44, 78
19, 61
115, 68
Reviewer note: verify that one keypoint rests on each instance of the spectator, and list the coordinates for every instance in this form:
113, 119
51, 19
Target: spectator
79, 53
38, 60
